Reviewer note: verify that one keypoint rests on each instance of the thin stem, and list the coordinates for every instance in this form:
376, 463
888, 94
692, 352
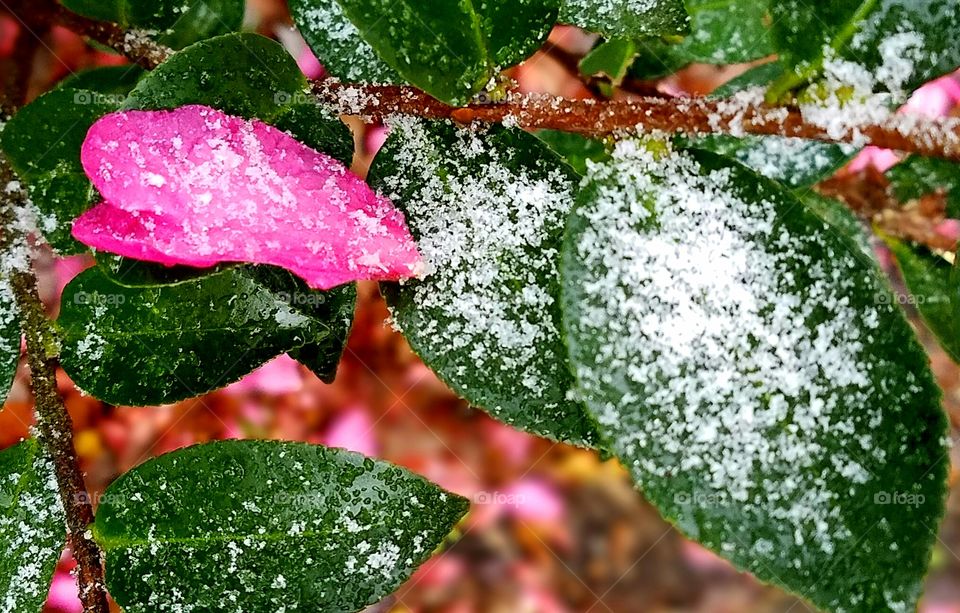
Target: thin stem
54, 426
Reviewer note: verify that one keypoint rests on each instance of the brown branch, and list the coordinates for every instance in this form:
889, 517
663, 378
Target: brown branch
691, 116
54, 426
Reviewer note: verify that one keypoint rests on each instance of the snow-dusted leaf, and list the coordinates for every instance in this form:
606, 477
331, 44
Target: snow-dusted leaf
626, 18
299, 527
448, 48
792, 161
918, 176
725, 32
42, 142
747, 366
575, 149
840, 219
197, 187
338, 43
177, 23
9, 339
934, 290
487, 209
163, 343
32, 533
873, 46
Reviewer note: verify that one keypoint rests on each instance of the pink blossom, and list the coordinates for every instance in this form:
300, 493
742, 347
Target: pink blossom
353, 430
196, 187
935, 99
282, 375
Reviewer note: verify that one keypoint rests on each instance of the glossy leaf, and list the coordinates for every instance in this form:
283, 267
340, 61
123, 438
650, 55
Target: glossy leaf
338, 44
298, 527
159, 344
42, 142
792, 161
840, 219
626, 18
32, 532
918, 176
448, 48
110, 80
240, 74
487, 210
247, 75
334, 307
721, 32
9, 339
177, 22
934, 290
747, 366
881, 45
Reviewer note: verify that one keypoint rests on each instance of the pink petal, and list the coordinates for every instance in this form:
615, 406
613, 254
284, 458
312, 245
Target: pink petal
195, 187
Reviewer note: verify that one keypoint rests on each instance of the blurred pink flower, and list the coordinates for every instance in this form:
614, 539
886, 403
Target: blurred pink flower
935, 99
353, 430
281, 375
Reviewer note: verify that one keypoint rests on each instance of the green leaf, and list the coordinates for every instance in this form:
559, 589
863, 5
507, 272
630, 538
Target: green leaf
338, 44
626, 18
247, 75
573, 148
159, 344
721, 32
42, 142
135, 273
725, 32
747, 366
9, 339
934, 286
178, 22
487, 209
918, 176
110, 80
300, 527
240, 74
317, 127
839, 219
32, 531
333, 307
451, 49
792, 161
895, 45
611, 58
